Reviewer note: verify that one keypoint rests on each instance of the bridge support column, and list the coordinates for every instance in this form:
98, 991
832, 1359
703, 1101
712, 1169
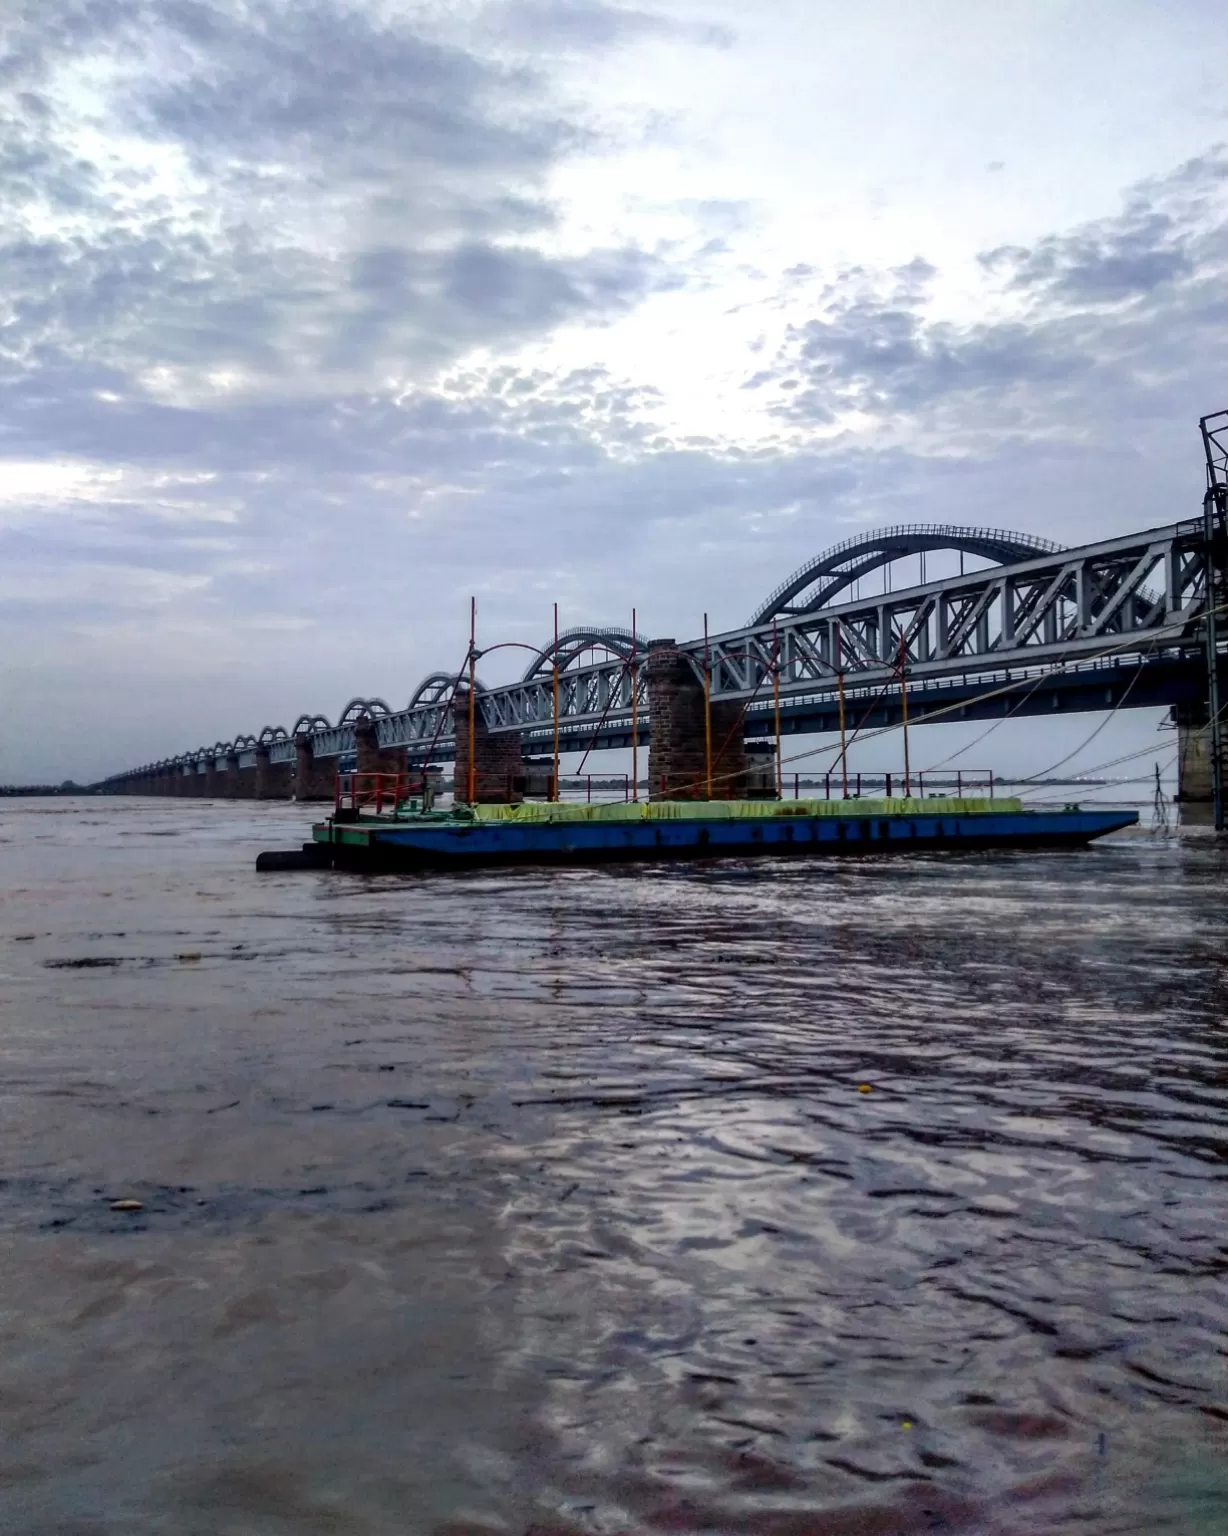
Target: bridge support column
1194, 789
498, 760
210, 787
228, 777
677, 752
314, 778
370, 757
274, 781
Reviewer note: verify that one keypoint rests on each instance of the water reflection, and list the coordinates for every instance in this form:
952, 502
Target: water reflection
490, 1203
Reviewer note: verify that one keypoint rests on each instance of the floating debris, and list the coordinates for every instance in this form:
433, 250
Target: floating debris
85, 963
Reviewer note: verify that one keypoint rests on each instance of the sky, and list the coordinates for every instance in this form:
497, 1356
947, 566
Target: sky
321, 316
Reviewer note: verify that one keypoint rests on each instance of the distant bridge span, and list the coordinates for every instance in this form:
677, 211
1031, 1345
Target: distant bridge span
1040, 631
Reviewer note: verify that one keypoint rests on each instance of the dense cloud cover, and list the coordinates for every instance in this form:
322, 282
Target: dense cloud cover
320, 315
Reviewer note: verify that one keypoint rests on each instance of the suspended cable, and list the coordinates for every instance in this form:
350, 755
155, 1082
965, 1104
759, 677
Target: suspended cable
1087, 743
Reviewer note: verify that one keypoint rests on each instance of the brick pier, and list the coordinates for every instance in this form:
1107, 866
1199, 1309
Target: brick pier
498, 760
370, 757
677, 750
314, 779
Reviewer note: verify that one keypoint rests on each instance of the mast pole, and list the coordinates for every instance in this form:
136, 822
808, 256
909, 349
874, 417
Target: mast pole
473, 666
635, 713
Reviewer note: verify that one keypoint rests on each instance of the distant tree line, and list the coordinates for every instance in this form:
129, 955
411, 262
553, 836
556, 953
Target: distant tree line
68, 787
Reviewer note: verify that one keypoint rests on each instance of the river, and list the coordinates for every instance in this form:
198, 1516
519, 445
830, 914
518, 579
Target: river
555, 1203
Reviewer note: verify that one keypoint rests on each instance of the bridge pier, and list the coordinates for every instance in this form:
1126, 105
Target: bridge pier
274, 781
370, 757
314, 778
677, 752
1195, 793
228, 777
498, 760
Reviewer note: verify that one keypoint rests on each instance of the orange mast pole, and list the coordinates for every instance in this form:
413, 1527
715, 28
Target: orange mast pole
904, 715
635, 713
844, 751
707, 710
555, 792
473, 665
776, 704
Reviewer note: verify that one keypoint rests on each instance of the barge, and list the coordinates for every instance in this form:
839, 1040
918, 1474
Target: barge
559, 833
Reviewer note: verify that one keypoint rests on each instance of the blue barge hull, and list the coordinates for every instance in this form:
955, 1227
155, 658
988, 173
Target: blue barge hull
450, 842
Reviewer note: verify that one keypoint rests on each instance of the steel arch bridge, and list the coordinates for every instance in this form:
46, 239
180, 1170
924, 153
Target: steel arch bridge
1040, 629
820, 581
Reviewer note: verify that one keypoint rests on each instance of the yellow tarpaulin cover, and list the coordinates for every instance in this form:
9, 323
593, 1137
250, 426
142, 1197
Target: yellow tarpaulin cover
536, 811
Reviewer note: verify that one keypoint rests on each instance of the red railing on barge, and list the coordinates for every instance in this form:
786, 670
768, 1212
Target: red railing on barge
383, 791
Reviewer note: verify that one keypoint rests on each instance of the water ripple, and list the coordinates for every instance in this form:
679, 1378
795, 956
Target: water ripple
865, 1196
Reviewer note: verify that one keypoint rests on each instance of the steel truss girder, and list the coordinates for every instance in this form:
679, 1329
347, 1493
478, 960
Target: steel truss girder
1056, 607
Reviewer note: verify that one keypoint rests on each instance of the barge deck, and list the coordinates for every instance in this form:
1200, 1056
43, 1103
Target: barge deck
577, 835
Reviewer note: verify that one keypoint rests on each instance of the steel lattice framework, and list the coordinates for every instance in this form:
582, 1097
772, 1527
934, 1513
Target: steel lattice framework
1111, 608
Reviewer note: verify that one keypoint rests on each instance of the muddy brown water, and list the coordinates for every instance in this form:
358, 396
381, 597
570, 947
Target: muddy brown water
550, 1201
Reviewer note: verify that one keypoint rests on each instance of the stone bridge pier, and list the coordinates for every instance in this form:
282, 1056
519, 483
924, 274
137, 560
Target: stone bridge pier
369, 756
1195, 795
498, 760
228, 777
314, 777
273, 781
677, 753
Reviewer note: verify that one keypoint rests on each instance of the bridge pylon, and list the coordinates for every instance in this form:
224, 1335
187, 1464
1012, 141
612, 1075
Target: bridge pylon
1215, 548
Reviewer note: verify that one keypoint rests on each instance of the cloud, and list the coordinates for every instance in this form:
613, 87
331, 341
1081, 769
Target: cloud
299, 349
313, 191
592, 26
1093, 315
1111, 261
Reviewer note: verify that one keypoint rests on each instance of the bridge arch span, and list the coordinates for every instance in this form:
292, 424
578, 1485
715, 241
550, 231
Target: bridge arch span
572, 643
821, 580
433, 688
357, 708
306, 724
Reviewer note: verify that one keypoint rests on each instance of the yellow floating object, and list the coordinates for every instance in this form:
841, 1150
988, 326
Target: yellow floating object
864, 1088
127, 1205
534, 812
907, 1424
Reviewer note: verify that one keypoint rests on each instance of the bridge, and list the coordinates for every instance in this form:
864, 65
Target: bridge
1041, 630
1035, 630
